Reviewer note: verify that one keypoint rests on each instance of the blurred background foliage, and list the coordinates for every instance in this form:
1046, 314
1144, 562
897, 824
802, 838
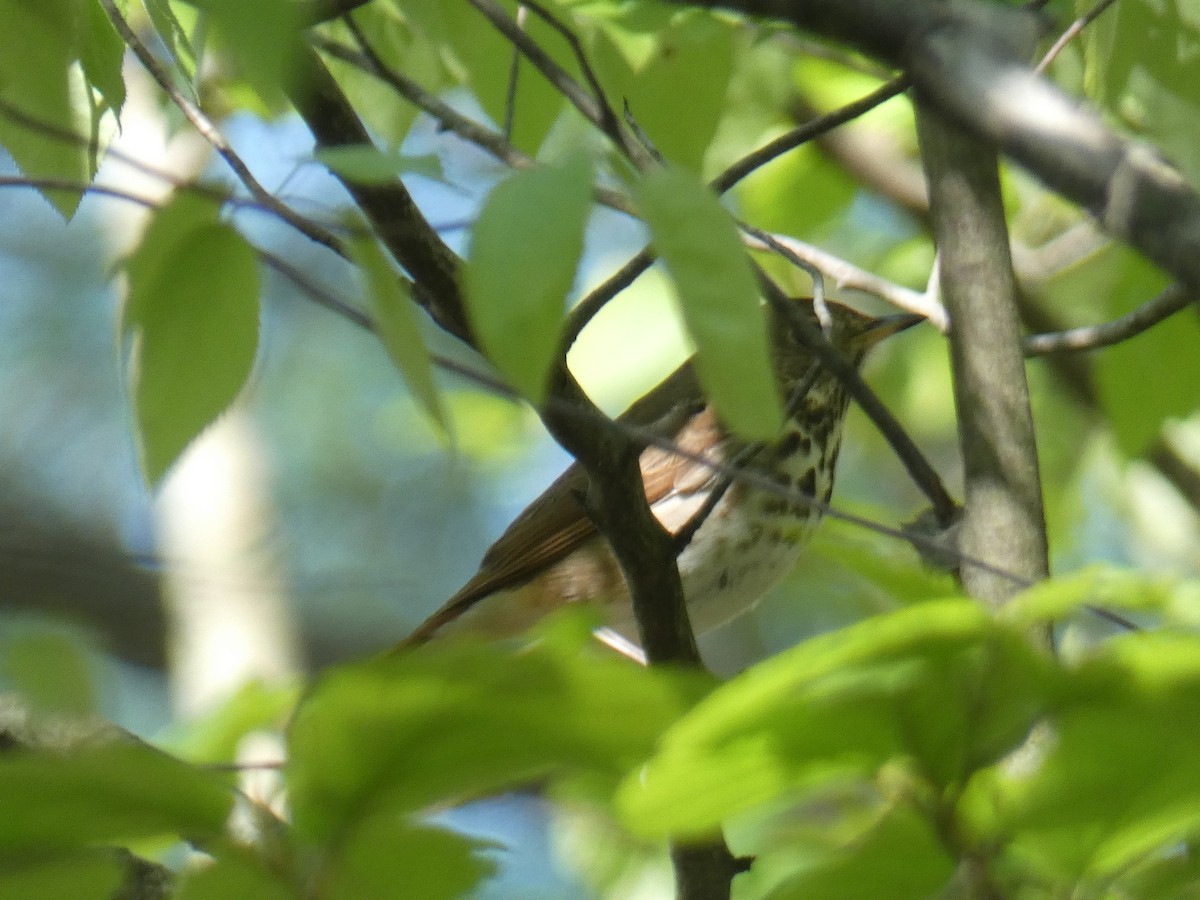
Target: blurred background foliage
368, 519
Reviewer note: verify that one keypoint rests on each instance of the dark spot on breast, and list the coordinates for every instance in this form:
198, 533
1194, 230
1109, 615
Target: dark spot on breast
808, 483
788, 445
723, 581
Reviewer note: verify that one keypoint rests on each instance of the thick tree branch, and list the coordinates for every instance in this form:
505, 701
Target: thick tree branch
1003, 519
967, 59
389, 207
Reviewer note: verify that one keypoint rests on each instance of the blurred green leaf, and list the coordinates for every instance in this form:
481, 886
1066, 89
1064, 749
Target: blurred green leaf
1120, 777
404, 47
105, 794
940, 682
385, 856
83, 875
1134, 394
192, 321
482, 59
233, 873
900, 850
698, 243
49, 670
102, 54
447, 722
368, 164
261, 37
40, 78
396, 324
1098, 585
643, 52
525, 248
174, 35
214, 738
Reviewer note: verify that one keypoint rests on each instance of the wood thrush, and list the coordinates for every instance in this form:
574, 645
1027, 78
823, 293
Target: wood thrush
552, 554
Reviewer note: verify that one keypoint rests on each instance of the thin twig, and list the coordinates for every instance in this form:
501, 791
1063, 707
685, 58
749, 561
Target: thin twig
609, 124
514, 72
66, 136
205, 127
590, 107
849, 276
1071, 33
590, 305
802, 134
1173, 299
448, 118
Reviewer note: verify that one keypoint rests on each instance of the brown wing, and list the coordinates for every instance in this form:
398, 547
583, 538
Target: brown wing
556, 522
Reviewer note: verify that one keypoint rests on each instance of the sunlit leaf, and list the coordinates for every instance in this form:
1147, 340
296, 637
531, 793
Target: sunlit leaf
40, 78
1097, 586
444, 723
82, 875
105, 794
939, 682
698, 243
260, 37
48, 669
214, 737
482, 59
1120, 777
644, 52
385, 856
173, 35
525, 248
192, 321
232, 873
900, 850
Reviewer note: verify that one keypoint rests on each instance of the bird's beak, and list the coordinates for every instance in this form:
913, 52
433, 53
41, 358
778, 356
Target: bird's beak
884, 327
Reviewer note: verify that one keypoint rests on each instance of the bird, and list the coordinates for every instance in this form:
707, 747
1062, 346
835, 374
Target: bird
552, 554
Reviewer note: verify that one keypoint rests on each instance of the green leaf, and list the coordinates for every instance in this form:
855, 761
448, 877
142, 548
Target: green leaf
397, 326
385, 856
447, 722
370, 165
105, 794
102, 55
899, 850
938, 682
525, 248
84, 875
698, 243
260, 37
192, 321
1120, 778
644, 52
232, 873
1099, 585
482, 59
214, 737
41, 79
173, 34
49, 670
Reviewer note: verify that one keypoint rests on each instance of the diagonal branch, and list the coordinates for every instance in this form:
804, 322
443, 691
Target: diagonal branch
390, 208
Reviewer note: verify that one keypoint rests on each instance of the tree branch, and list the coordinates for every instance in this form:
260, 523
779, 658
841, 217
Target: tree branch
967, 61
389, 207
1173, 299
1003, 518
